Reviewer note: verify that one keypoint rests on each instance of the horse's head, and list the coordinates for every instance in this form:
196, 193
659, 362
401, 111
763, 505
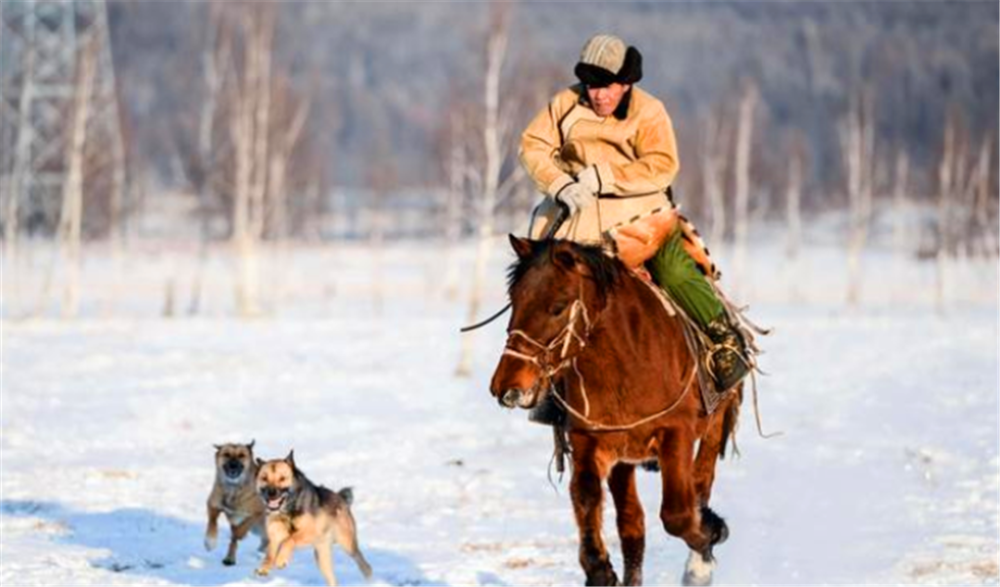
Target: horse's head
557, 289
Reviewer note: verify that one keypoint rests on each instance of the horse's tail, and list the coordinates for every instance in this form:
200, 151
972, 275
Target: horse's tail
730, 419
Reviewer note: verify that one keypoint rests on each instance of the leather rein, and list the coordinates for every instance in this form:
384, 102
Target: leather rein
543, 360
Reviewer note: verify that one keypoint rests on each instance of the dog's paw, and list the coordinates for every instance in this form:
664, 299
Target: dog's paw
229, 561
282, 559
262, 571
210, 542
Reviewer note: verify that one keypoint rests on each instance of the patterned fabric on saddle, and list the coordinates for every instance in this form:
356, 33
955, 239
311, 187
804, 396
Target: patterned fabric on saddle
636, 240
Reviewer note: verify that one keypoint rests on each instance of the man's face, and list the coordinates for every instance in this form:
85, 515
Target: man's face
605, 100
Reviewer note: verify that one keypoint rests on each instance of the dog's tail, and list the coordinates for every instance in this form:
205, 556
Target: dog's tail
347, 494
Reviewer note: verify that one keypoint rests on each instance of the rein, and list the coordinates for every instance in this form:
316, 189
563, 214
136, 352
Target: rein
562, 213
564, 338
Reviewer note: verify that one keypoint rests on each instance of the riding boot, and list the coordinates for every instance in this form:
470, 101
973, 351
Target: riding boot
727, 356
548, 412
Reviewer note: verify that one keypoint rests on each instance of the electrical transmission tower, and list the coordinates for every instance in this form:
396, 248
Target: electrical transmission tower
51, 53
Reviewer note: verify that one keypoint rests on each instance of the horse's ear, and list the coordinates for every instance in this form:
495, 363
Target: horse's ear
522, 246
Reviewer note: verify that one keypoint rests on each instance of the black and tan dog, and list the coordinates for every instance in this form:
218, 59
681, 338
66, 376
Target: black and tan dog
300, 513
235, 494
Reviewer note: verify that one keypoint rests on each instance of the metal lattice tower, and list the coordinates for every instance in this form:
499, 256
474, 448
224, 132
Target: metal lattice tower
42, 43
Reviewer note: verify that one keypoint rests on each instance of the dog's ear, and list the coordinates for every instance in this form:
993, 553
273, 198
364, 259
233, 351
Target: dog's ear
252, 442
259, 461
218, 447
290, 459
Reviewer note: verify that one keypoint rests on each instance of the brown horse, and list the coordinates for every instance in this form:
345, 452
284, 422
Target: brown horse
583, 322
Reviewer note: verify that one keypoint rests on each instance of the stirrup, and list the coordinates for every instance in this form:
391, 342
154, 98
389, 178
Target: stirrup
728, 372
726, 358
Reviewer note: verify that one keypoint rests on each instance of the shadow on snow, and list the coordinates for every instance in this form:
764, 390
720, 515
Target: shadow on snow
142, 542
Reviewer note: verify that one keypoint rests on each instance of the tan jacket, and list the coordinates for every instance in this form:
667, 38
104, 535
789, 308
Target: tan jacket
636, 159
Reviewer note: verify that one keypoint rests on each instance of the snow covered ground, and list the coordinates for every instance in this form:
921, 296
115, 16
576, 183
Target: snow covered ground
887, 471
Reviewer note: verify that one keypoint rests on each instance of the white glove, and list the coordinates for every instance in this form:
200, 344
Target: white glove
589, 179
576, 197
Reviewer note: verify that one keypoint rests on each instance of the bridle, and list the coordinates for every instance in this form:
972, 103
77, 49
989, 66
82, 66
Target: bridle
543, 359
543, 355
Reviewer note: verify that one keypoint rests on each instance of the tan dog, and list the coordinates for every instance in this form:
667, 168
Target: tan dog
235, 494
300, 513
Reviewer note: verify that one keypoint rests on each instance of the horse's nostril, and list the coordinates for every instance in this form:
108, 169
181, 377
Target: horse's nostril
510, 398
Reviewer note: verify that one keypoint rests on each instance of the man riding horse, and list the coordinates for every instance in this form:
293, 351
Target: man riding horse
605, 149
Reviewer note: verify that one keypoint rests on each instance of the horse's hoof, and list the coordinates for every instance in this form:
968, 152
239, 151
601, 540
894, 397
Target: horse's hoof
603, 577
714, 525
633, 577
698, 570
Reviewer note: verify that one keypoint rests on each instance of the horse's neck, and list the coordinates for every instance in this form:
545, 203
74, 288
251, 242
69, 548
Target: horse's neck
635, 329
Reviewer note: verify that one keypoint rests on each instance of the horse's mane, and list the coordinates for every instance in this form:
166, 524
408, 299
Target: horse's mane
604, 270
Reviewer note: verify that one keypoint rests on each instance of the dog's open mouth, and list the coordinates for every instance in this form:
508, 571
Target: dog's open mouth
274, 501
233, 476
233, 470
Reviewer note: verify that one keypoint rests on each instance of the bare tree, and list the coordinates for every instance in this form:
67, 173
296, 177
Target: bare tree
496, 50
712, 155
249, 130
215, 62
71, 214
16, 181
284, 143
900, 236
741, 227
985, 221
793, 210
946, 184
858, 148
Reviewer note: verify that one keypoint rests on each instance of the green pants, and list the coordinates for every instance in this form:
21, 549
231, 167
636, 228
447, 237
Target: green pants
676, 272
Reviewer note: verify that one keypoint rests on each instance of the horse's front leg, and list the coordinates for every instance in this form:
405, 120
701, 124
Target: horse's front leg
590, 468
631, 520
681, 512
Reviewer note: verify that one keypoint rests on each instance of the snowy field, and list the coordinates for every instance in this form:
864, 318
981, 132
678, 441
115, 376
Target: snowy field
887, 470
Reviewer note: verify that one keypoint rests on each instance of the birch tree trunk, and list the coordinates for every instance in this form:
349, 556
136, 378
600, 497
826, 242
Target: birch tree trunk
71, 215
860, 154
710, 170
22, 157
214, 59
241, 130
793, 217
496, 51
986, 223
741, 228
251, 145
277, 177
900, 237
945, 189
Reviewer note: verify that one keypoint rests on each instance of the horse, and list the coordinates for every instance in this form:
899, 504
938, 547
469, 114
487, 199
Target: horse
588, 326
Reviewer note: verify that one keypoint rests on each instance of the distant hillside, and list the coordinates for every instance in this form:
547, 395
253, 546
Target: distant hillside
396, 65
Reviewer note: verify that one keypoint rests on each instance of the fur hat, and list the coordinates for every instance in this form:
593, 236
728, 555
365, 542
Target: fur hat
605, 59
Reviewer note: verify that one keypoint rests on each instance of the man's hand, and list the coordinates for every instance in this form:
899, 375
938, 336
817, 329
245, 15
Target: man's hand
589, 179
576, 197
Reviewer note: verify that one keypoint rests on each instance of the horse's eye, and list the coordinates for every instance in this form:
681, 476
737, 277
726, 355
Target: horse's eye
558, 308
